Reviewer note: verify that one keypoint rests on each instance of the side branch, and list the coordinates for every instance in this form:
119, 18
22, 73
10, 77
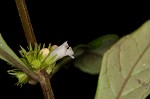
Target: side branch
18, 65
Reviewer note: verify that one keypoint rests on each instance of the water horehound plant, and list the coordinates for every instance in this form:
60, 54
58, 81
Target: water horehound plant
37, 63
123, 64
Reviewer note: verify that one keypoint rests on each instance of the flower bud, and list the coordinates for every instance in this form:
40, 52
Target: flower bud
21, 76
45, 52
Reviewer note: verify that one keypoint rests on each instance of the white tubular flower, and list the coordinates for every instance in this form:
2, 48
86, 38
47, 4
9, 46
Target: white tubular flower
62, 51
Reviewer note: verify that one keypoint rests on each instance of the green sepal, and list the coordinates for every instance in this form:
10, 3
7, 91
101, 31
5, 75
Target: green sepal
48, 61
50, 68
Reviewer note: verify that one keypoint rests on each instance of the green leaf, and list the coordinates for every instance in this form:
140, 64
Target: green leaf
125, 71
8, 50
90, 61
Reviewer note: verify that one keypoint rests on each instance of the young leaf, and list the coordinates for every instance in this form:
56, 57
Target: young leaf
125, 71
103, 39
8, 50
103, 43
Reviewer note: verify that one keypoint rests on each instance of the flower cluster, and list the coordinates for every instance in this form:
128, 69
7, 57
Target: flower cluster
39, 58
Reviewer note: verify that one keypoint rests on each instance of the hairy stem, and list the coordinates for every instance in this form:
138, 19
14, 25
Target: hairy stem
25, 20
46, 85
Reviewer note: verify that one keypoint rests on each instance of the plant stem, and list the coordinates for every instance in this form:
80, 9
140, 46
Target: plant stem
25, 20
29, 34
46, 85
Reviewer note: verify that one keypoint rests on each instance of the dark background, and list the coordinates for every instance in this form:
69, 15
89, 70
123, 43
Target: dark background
56, 22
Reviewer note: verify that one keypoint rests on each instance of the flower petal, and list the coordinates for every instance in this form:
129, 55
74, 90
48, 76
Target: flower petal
62, 51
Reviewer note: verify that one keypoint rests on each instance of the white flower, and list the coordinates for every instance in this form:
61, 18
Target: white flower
62, 51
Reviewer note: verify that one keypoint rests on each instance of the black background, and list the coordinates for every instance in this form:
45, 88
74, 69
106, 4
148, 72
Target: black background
56, 22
